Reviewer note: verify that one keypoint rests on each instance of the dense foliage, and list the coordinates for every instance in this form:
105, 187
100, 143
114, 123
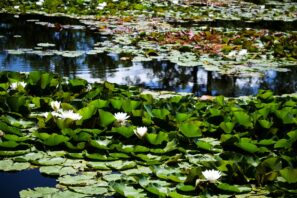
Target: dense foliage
252, 141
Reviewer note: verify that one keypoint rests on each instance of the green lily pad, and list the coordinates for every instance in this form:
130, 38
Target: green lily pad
234, 188
57, 170
121, 165
38, 192
128, 191
90, 190
106, 118
157, 139
9, 165
190, 130
78, 180
289, 174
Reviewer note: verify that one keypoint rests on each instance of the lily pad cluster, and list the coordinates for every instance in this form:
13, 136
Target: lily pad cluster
232, 52
146, 30
176, 10
74, 130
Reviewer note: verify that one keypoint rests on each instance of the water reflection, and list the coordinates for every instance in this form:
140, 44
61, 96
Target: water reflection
18, 33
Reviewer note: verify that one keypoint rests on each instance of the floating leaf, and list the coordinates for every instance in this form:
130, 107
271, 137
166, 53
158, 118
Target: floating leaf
247, 146
57, 170
190, 130
105, 118
90, 190
157, 139
243, 118
121, 165
227, 126
9, 165
38, 192
128, 191
124, 131
233, 188
289, 174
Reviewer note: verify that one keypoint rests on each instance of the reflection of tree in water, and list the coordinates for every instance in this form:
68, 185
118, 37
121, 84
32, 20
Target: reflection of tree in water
32, 34
281, 82
171, 76
103, 65
161, 75
192, 79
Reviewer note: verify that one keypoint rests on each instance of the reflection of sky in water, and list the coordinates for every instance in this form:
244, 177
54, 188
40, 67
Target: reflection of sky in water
159, 75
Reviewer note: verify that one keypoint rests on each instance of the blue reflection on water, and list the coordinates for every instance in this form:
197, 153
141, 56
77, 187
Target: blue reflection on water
13, 182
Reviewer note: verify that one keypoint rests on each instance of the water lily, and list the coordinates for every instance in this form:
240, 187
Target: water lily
67, 114
45, 114
175, 1
70, 114
242, 52
56, 105
101, 6
232, 54
211, 175
40, 2
121, 117
140, 132
15, 85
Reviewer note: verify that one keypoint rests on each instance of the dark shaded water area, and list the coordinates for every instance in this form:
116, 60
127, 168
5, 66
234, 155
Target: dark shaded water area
13, 182
23, 32
260, 24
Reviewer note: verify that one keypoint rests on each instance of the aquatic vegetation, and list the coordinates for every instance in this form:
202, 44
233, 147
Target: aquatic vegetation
55, 105
17, 85
211, 175
140, 132
121, 117
237, 142
87, 135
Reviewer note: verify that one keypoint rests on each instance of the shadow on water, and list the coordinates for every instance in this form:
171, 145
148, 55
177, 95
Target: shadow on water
18, 33
260, 24
13, 182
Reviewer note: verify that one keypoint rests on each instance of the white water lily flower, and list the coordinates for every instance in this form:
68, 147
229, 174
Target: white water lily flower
69, 114
40, 2
121, 117
211, 175
45, 114
56, 105
22, 84
232, 54
101, 6
242, 52
15, 85
140, 131
175, 1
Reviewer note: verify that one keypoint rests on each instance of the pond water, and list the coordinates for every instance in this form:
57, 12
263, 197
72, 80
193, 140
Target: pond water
31, 32
13, 182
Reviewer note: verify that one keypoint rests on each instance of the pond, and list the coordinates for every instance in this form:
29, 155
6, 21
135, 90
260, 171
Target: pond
13, 182
69, 43
109, 140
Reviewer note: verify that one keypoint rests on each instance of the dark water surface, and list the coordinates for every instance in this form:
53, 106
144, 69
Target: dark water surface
18, 32
13, 182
